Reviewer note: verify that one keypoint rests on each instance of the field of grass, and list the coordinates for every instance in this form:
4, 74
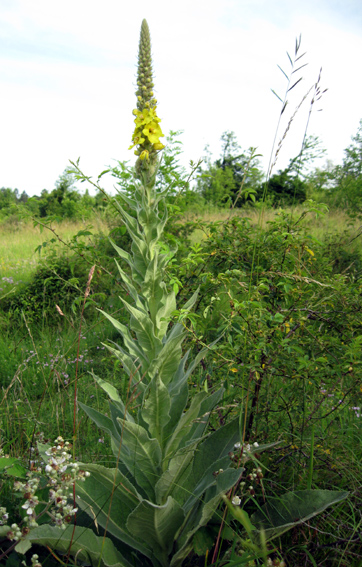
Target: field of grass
289, 358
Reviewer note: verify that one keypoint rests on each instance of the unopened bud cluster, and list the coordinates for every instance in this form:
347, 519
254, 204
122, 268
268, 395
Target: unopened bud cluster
61, 474
145, 84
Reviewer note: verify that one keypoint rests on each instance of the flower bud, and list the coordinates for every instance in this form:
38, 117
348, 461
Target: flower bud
144, 155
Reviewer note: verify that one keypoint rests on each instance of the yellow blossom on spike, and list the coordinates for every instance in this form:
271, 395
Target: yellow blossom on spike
147, 128
146, 116
144, 155
153, 132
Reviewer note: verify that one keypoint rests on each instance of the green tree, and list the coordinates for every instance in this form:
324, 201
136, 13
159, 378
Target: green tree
287, 188
8, 197
65, 201
342, 184
220, 182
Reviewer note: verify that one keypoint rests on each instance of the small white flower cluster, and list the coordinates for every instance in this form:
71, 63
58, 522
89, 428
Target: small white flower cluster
61, 475
256, 474
241, 452
246, 447
34, 561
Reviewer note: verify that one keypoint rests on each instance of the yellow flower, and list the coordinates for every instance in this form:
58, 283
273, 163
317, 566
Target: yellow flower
147, 128
137, 139
145, 116
153, 132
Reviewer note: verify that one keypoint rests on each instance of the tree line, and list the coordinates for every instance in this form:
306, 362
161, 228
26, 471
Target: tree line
234, 179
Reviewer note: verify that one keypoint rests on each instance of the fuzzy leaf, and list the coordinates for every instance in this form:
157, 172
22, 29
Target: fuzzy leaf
157, 525
156, 410
109, 497
130, 344
207, 508
141, 455
279, 515
174, 478
89, 548
142, 325
184, 425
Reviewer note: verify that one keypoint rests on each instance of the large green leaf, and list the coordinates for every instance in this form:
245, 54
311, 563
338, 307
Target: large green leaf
279, 515
12, 467
167, 360
212, 454
156, 410
204, 512
122, 253
153, 289
108, 497
85, 545
129, 286
131, 364
199, 426
102, 421
184, 425
114, 396
129, 343
141, 455
142, 325
157, 525
174, 478
166, 308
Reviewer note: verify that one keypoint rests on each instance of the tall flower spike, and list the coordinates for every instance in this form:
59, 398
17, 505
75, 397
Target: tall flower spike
145, 84
147, 133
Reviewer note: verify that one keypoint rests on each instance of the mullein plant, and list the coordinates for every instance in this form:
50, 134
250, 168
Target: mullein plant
171, 473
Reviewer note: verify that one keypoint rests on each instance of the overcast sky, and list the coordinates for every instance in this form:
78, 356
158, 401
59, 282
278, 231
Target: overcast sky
67, 78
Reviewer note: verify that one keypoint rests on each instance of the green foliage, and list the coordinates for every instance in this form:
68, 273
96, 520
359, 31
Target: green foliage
279, 288
220, 182
56, 282
286, 188
341, 185
281, 514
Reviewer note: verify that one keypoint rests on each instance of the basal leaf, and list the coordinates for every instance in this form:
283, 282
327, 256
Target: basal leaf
281, 514
108, 497
85, 545
157, 525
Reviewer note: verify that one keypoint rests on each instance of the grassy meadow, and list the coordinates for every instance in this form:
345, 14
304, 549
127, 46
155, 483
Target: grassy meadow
283, 294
